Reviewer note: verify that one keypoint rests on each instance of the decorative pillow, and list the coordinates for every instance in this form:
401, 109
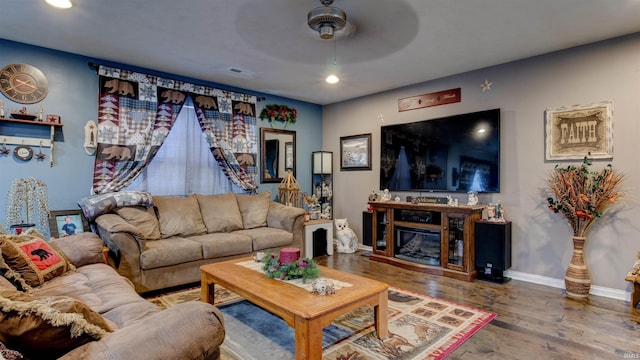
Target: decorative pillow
179, 216
9, 354
34, 259
220, 213
254, 209
49, 325
94, 206
144, 219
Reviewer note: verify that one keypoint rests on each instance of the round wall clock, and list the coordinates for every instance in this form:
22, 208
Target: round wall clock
23, 152
23, 83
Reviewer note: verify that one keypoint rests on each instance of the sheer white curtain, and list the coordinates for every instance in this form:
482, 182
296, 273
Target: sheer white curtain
184, 164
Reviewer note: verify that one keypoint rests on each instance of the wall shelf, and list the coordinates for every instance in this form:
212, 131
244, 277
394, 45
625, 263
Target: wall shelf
31, 141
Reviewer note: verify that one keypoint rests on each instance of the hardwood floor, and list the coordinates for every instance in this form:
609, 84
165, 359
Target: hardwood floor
533, 322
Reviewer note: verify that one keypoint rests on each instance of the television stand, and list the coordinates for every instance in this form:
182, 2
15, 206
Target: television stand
431, 238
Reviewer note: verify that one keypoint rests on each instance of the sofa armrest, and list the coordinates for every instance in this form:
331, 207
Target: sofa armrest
192, 330
113, 223
283, 217
81, 249
124, 247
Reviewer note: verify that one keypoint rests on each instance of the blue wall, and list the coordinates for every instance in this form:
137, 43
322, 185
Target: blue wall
73, 94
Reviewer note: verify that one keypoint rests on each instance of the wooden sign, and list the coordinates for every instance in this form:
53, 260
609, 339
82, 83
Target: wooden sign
427, 100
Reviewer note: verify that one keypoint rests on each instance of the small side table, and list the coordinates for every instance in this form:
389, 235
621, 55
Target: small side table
312, 226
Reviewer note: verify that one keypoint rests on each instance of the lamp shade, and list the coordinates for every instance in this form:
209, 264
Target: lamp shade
322, 162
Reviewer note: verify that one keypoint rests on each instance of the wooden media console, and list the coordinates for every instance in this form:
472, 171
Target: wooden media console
431, 238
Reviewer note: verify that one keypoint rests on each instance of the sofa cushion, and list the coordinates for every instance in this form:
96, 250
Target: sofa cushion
144, 219
223, 244
50, 325
179, 216
265, 238
32, 258
101, 288
171, 251
220, 213
254, 209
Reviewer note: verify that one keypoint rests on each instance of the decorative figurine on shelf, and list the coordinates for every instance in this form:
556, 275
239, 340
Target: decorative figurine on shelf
451, 201
499, 211
472, 198
1, 109
346, 238
491, 212
386, 195
495, 212
374, 196
40, 116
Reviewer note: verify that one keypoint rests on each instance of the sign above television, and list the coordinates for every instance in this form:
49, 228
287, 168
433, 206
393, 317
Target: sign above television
428, 100
458, 153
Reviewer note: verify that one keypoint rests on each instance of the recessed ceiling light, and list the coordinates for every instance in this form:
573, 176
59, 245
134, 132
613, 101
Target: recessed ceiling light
332, 79
62, 4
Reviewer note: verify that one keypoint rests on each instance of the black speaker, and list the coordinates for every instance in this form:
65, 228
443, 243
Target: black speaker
367, 220
493, 249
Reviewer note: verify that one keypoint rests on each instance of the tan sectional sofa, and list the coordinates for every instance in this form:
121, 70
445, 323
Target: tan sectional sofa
165, 245
60, 317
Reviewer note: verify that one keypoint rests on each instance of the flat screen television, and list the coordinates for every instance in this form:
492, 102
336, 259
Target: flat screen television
458, 153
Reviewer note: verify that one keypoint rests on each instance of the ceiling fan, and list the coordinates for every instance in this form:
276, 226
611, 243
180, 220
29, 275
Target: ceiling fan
327, 19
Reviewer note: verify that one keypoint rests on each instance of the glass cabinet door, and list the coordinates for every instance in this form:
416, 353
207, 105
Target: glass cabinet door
455, 241
381, 227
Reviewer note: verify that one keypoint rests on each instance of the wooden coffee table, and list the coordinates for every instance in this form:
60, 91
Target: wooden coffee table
305, 312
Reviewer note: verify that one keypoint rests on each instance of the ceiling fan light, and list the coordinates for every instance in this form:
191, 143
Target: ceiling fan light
326, 32
62, 4
332, 79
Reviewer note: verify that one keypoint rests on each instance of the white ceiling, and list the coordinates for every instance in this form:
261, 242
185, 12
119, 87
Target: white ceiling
396, 43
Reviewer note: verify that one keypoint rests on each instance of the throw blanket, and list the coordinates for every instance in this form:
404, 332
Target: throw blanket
94, 206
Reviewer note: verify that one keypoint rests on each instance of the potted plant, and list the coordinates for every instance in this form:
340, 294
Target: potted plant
582, 195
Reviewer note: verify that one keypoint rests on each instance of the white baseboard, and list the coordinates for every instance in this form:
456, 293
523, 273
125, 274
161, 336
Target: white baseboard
559, 283
553, 282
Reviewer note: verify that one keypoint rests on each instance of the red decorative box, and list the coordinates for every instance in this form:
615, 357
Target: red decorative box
288, 255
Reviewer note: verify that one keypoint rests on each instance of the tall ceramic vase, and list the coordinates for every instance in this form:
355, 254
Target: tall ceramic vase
577, 279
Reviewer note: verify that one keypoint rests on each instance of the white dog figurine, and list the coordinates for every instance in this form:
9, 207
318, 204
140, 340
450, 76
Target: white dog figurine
346, 239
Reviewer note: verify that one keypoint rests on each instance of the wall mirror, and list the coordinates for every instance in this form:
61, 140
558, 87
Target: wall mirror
277, 154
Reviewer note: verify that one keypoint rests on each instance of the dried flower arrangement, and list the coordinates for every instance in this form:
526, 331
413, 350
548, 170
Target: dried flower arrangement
581, 194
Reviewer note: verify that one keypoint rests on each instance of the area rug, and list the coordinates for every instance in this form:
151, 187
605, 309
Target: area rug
420, 327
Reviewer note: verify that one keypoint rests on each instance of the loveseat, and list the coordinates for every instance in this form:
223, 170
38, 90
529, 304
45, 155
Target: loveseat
164, 245
67, 303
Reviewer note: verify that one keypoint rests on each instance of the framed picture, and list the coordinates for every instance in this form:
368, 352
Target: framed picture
573, 132
53, 119
67, 222
355, 152
288, 156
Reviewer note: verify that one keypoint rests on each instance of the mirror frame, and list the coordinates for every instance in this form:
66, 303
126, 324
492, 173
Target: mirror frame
263, 160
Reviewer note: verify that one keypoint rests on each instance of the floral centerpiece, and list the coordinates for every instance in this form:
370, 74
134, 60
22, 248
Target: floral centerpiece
282, 113
582, 195
302, 268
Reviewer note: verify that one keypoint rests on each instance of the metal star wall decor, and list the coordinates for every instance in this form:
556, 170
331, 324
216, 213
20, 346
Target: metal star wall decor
486, 85
4, 150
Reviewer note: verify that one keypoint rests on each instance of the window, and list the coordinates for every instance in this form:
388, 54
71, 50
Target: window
184, 164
